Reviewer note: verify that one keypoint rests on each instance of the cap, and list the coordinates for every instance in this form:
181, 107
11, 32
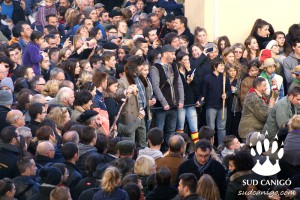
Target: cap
253, 137
87, 114
87, 11
167, 48
296, 69
268, 62
6, 97
7, 82
271, 44
98, 5
114, 13
264, 54
125, 147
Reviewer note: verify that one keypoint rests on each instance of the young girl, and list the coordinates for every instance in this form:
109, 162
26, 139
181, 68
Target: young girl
233, 101
72, 70
43, 12
247, 82
252, 48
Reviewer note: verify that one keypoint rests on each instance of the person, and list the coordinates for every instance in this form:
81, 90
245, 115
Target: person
61, 193
170, 6
263, 32
163, 190
213, 95
231, 144
126, 149
187, 187
83, 101
203, 163
13, 10
155, 139
43, 12
9, 152
256, 108
37, 113
6, 100
133, 191
109, 63
296, 81
109, 189
282, 111
252, 48
7, 188
45, 153
64, 98
206, 181
180, 26
174, 158
165, 79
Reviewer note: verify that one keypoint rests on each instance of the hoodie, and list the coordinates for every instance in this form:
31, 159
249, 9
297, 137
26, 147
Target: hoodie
150, 152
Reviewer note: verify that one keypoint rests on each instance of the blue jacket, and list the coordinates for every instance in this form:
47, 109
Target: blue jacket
32, 57
170, 6
117, 194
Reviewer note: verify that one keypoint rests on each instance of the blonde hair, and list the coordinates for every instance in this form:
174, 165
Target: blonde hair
110, 179
206, 181
143, 165
294, 123
51, 88
58, 115
70, 15
85, 76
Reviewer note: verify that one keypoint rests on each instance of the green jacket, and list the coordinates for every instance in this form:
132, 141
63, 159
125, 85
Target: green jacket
278, 117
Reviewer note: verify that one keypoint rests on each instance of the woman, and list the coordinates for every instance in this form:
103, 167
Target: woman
32, 55
200, 36
89, 86
96, 33
238, 50
205, 182
60, 116
7, 189
229, 59
262, 31
82, 48
84, 78
50, 89
82, 32
274, 48
252, 48
144, 166
83, 101
121, 54
109, 189
223, 42
284, 48
64, 171
64, 54
191, 95
72, 70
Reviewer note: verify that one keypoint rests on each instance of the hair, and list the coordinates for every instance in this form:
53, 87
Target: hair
238, 45
243, 161
91, 163
156, 136
50, 175
234, 66
143, 165
253, 63
259, 23
58, 115
6, 185
205, 182
78, 128
147, 30
133, 191
110, 179
48, 37
63, 93
35, 35
89, 135
107, 55
98, 78
85, 81
223, 38
55, 71
61, 166
176, 144
228, 140
23, 163
93, 33
168, 39
44, 132
248, 42
203, 144
69, 150
206, 132
198, 30
61, 193
130, 178
51, 88
35, 109
125, 165
82, 97
163, 176
112, 145
215, 62
226, 51
23, 101
258, 81
51, 15
182, 19
189, 180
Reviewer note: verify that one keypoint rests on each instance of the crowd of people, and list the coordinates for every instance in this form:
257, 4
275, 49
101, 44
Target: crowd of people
121, 100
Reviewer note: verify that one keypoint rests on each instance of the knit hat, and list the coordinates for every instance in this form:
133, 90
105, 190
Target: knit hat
271, 44
6, 97
264, 54
98, 5
253, 137
125, 147
87, 114
87, 11
7, 82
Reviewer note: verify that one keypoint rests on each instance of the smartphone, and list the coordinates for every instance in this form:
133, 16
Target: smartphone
192, 74
209, 50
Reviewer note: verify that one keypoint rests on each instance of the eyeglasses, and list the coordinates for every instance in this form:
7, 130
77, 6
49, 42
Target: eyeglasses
203, 156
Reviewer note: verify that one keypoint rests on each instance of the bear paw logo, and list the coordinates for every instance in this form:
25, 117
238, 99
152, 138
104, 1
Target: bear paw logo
267, 168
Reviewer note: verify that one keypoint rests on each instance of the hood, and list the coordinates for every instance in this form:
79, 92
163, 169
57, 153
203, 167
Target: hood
10, 147
239, 174
83, 149
151, 152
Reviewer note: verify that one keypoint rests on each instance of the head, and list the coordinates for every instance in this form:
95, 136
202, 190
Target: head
207, 133
9, 136
260, 85
52, 20
180, 23
296, 46
15, 118
111, 179
60, 116
7, 188
172, 39
45, 133
155, 136
231, 142
238, 50
65, 96
176, 144
45, 148
144, 166
187, 184
228, 55
26, 166
89, 136
100, 80
70, 151
203, 150
62, 193
57, 74
243, 161
206, 181
223, 42
163, 176
217, 65
50, 175
261, 28
37, 111
200, 36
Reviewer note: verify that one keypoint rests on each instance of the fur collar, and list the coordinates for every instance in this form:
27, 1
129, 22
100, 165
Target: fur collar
239, 174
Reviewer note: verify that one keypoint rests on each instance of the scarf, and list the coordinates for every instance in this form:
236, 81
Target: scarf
202, 168
296, 81
261, 96
269, 78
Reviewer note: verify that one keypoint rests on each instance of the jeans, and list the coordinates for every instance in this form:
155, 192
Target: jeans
191, 115
166, 120
216, 114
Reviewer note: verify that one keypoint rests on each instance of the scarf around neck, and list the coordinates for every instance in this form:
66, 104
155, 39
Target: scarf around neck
202, 168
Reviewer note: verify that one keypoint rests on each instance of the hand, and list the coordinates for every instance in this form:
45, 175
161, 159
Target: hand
291, 194
232, 89
155, 44
189, 79
167, 107
224, 96
180, 105
274, 81
274, 197
197, 104
271, 102
152, 102
141, 114
67, 43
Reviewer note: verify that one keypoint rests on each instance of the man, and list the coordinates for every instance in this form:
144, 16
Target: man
175, 156
9, 152
111, 31
90, 12
214, 96
171, 6
109, 63
37, 112
126, 149
203, 163
45, 153
256, 109
64, 97
115, 16
91, 118
168, 89
71, 136
25, 33
57, 74
283, 110
13, 10
15, 118
155, 21
50, 39
188, 186
104, 18
15, 55
70, 153
143, 45
291, 61
173, 40
150, 34
26, 185
296, 81
26, 133
180, 25
6, 100
64, 3
37, 84
52, 20
155, 140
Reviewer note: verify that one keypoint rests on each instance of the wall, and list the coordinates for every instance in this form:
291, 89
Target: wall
235, 18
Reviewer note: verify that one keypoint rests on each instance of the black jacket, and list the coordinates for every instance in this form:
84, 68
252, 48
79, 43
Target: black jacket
84, 184
189, 35
191, 90
44, 193
26, 187
3, 112
18, 12
162, 192
9, 156
215, 170
193, 197
34, 126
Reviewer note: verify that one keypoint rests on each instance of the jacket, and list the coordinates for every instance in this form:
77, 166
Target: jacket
9, 156
32, 57
100, 107
279, 117
288, 65
18, 12
117, 194
44, 193
74, 176
3, 112
191, 90
84, 152
254, 115
26, 187
162, 192
292, 148
170, 6
245, 87
156, 154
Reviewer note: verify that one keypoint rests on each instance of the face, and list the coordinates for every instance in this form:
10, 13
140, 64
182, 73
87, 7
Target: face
112, 32
33, 168
231, 72
40, 85
30, 74
202, 37
3, 71
270, 69
231, 165
121, 54
264, 31
71, 100
140, 5
159, 12
144, 47
116, 19
169, 56
220, 68
104, 18
222, 44
15, 55
297, 48
26, 31
253, 45
295, 99
132, 9
280, 40
140, 68
111, 63
202, 156
139, 53
94, 91
99, 35
213, 54
196, 51
155, 22
177, 24
93, 16
181, 189
236, 144
21, 119
88, 24
170, 25
229, 58
60, 76
52, 43
42, 115
145, 71
175, 43
53, 21
48, 3
57, 39
123, 27
275, 48
84, 32
77, 69
113, 88
104, 84
64, 3
262, 87
40, 41
185, 60
152, 36
238, 52
183, 43
254, 71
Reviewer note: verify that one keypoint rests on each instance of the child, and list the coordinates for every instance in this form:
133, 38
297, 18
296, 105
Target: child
233, 101
43, 12
247, 82
274, 81
231, 144
109, 63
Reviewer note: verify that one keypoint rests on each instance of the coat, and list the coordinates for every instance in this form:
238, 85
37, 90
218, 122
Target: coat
279, 117
254, 114
9, 155
288, 65
117, 194
3, 112
162, 192
32, 57
44, 193
26, 187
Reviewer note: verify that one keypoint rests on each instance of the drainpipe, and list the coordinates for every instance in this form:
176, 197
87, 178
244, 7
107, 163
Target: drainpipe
216, 20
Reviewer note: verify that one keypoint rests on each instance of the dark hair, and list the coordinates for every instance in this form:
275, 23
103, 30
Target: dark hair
180, 55
89, 86
69, 149
35, 80
182, 19
295, 41
169, 17
175, 145
125, 165
294, 91
101, 143
16, 30
78, 128
227, 42
147, 30
50, 175
23, 163
108, 28
70, 68
215, 62
163, 176
61, 166
130, 178
258, 81
35, 109
203, 144
243, 161
48, 37
62, 11
14, 46
98, 78
35, 35
156, 136
91, 163
170, 37
228, 140
8, 134
253, 63
50, 28
94, 59
133, 191
206, 132
94, 31
112, 145
23, 101
82, 97
189, 180
6, 185
44, 132
153, 55
48, 16
88, 136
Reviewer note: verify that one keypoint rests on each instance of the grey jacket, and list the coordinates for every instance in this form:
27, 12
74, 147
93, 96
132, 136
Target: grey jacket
288, 64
